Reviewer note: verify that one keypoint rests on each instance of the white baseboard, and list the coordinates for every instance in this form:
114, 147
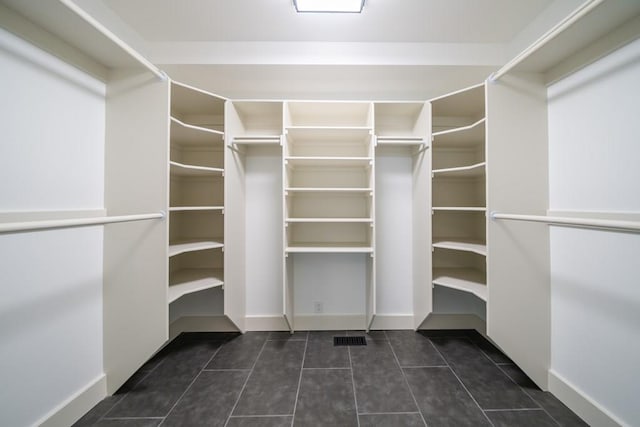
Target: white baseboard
392, 321
580, 403
454, 321
329, 322
72, 409
272, 322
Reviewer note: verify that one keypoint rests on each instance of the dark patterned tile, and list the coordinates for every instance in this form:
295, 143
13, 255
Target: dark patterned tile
326, 399
138, 422
563, 415
526, 418
488, 348
98, 411
371, 335
209, 400
323, 354
156, 394
379, 383
488, 385
286, 335
391, 420
240, 352
271, 421
325, 335
273, 383
441, 398
413, 349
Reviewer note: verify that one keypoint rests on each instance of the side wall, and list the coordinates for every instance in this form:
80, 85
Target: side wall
595, 298
51, 159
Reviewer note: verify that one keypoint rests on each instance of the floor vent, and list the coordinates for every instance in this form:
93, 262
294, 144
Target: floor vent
349, 341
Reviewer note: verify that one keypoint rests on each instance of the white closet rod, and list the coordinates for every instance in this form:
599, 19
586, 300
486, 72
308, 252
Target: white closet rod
75, 222
631, 226
572, 18
115, 39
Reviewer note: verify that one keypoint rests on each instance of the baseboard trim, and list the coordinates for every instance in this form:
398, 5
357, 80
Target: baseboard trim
273, 322
392, 321
200, 324
580, 403
329, 322
454, 321
72, 409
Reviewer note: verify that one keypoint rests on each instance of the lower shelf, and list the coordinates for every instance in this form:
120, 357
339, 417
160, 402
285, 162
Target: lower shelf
463, 279
189, 245
466, 245
189, 280
329, 248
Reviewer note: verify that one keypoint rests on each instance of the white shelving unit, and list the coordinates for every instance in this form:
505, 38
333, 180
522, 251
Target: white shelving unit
196, 191
459, 189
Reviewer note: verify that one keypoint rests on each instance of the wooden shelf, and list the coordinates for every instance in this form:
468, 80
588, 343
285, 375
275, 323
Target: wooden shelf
334, 220
459, 208
475, 246
471, 171
195, 208
191, 245
180, 169
463, 279
190, 135
329, 248
187, 281
465, 136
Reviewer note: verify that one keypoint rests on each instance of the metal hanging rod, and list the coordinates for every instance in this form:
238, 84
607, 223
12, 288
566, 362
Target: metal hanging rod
115, 39
572, 18
605, 224
12, 227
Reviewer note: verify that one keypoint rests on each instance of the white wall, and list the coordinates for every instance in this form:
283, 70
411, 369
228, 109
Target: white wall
595, 301
51, 158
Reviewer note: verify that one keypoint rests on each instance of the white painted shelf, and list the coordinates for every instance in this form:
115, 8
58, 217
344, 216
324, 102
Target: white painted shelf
463, 279
471, 171
190, 135
460, 208
189, 280
335, 220
400, 140
181, 169
464, 136
329, 248
191, 245
335, 134
466, 245
195, 208
327, 161
328, 190
257, 140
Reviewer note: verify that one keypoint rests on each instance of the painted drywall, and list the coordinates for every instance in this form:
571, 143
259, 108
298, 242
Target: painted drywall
595, 297
51, 158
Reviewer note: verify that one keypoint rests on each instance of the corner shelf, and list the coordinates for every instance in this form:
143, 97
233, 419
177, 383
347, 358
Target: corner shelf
190, 280
463, 279
334, 220
191, 245
186, 134
351, 248
460, 208
466, 245
463, 136
471, 171
195, 208
328, 190
180, 169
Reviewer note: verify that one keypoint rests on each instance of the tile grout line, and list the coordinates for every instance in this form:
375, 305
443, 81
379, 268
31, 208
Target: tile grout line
353, 385
189, 386
404, 377
264, 344
391, 413
295, 402
530, 397
514, 410
461, 383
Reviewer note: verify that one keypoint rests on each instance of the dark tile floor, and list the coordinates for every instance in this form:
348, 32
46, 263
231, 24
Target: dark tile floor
400, 378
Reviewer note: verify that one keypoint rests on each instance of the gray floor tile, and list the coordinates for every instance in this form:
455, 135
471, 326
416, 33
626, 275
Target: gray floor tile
98, 411
443, 401
391, 420
325, 335
488, 348
273, 384
277, 421
488, 385
326, 399
240, 352
138, 422
323, 354
413, 349
528, 418
371, 335
379, 384
563, 415
286, 335
156, 394
209, 400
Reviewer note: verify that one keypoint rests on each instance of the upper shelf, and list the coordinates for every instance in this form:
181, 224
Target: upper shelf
471, 171
188, 135
325, 113
325, 161
180, 169
466, 136
197, 107
467, 102
401, 121
254, 119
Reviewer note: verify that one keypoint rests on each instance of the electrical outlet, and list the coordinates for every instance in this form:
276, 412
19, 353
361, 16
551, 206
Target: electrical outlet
317, 307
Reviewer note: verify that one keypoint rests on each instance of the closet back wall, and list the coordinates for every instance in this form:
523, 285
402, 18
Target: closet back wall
51, 159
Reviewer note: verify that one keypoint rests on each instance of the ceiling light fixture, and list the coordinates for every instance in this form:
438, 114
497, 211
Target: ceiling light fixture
335, 6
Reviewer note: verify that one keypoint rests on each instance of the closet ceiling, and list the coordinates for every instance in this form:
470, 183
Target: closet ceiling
394, 49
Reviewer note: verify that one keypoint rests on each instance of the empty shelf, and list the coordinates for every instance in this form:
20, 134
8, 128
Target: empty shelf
185, 134
308, 247
401, 140
191, 245
338, 220
195, 208
470, 171
475, 246
462, 136
328, 189
328, 161
460, 208
463, 279
191, 170
257, 140
186, 281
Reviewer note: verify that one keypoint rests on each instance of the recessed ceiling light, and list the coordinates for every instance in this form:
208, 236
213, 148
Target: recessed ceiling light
336, 6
